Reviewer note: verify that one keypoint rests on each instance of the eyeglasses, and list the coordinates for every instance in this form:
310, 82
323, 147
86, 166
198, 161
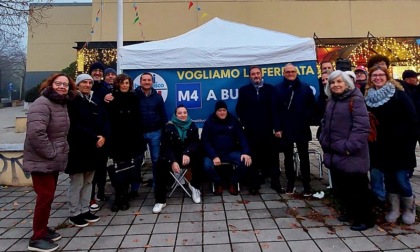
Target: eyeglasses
290, 72
59, 84
378, 75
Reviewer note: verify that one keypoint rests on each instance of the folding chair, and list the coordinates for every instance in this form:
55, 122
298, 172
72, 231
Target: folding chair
233, 166
318, 155
179, 177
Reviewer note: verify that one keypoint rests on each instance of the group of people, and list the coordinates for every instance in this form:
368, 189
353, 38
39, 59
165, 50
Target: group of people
373, 133
76, 126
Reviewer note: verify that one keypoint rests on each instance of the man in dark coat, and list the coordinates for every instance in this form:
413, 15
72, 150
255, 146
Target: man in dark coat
89, 129
254, 109
224, 142
292, 113
412, 88
100, 88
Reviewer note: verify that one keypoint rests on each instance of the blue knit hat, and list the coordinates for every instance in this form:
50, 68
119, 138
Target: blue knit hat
109, 70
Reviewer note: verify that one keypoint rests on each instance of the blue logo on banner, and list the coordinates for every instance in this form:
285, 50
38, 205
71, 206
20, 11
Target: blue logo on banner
189, 94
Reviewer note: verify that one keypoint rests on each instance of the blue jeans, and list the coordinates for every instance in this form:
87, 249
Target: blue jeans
398, 182
232, 158
153, 141
377, 183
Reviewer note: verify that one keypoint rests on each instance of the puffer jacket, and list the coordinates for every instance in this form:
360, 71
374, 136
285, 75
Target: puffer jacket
221, 137
46, 148
152, 110
345, 130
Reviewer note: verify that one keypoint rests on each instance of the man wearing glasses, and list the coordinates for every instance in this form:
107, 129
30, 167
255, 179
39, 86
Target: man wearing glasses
293, 107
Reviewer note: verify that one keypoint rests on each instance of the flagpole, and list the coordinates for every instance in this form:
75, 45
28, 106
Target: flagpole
120, 7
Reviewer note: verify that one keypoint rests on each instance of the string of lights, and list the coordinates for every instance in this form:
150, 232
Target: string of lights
399, 53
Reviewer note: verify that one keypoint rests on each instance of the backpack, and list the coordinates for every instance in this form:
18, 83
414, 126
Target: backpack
373, 123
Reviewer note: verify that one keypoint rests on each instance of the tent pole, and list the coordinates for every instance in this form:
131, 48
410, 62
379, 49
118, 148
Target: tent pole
120, 14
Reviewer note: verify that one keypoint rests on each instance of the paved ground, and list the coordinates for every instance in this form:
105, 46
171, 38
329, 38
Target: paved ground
267, 222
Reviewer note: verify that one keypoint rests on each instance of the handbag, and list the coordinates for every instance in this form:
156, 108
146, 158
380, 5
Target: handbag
124, 172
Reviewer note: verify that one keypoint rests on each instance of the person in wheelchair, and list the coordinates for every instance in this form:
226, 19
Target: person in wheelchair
224, 141
180, 149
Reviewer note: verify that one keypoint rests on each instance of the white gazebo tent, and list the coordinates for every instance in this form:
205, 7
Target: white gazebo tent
218, 43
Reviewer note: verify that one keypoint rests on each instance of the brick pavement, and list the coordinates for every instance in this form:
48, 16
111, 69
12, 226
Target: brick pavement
266, 222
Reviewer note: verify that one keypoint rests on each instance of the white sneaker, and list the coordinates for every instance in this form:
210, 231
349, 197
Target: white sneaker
93, 206
158, 207
195, 194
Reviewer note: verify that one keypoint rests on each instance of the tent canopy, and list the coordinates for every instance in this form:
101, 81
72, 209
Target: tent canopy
218, 43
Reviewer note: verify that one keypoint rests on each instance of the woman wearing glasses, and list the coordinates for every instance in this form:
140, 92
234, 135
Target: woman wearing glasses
393, 151
344, 140
45, 153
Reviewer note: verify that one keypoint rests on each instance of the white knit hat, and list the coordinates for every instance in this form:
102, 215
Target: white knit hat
82, 77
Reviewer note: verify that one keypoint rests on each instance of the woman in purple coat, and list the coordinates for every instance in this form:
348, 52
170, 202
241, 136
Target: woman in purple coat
344, 140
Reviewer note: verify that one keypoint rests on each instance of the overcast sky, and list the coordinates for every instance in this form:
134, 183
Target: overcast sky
72, 1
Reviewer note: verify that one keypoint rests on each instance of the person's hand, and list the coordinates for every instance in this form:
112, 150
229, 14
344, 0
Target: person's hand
108, 98
100, 142
175, 167
278, 134
246, 159
185, 160
216, 161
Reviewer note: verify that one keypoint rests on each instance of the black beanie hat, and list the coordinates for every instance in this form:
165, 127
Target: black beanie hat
96, 65
219, 105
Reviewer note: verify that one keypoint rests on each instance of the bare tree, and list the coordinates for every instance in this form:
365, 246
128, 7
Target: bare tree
14, 17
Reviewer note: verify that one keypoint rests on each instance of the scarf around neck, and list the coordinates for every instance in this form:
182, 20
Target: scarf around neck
181, 126
55, 97
378, 97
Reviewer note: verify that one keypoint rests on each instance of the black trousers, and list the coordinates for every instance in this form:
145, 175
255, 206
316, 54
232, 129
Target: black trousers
265, 161
99, 179
302, 148
352, 190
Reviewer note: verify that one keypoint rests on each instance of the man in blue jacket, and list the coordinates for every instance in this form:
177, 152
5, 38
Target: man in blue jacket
224, 142
153, 118
292, 112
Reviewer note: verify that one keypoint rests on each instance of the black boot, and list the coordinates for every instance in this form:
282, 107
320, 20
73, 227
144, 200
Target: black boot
276, 186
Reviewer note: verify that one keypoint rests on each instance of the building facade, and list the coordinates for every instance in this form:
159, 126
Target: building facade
74, 26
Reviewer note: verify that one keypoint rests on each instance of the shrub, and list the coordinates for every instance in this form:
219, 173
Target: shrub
32, 94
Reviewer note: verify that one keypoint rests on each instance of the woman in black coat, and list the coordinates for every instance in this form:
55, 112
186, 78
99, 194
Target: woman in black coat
180, 148
126, 142
393, 152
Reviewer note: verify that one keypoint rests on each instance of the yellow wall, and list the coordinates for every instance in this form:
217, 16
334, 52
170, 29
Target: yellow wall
328, 19
50, 46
